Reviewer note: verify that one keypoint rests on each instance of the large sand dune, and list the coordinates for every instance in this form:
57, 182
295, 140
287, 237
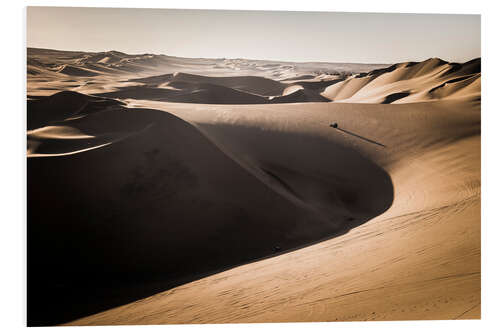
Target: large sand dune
193, 202
220, 193
418, 260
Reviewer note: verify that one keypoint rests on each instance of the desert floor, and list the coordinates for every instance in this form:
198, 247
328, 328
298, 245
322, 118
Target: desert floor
174, 190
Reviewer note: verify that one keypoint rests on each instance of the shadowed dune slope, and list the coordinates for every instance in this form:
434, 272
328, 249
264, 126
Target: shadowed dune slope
201, 93
300, 95
188, 88
63, 105
251, 84
76, 71
163, 205
209, 93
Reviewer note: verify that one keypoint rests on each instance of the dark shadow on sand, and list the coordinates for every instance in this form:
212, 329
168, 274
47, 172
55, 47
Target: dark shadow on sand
394, 97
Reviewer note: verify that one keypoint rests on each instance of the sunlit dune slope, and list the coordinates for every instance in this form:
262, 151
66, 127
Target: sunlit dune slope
433, 79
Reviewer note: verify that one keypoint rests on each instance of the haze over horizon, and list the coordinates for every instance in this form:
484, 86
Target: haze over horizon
266, 35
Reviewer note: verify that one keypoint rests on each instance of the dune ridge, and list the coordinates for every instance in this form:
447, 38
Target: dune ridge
410, 83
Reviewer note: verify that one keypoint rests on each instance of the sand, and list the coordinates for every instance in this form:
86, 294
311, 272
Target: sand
219, 193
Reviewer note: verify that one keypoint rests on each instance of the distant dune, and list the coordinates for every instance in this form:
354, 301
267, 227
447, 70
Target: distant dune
411, 82
251, 84
259, 77
76, 71
175, 190
187, 92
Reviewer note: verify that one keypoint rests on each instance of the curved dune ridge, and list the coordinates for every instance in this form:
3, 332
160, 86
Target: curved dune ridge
76, 71
251, 84
420, 259
188, 88
201, 93
54, 124
147, 165
64, 105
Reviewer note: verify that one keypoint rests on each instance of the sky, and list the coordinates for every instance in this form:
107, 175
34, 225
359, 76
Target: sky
270, 35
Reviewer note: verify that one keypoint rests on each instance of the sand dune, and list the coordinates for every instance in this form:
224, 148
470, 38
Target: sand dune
152, 177
203, 93
251, 84
409, 82
418, 260
172, 190
188, 88
76, 71
63, 105
299, 95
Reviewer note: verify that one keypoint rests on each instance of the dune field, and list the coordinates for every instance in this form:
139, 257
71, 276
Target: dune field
167, 190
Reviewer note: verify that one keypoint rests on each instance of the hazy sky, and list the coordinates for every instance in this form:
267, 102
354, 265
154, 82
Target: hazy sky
293, 36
